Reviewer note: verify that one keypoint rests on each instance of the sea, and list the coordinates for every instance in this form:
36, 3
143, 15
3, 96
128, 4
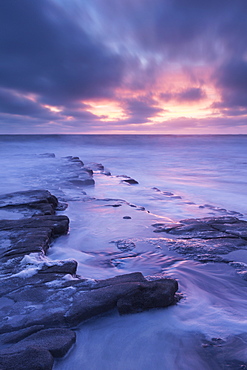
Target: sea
179, 177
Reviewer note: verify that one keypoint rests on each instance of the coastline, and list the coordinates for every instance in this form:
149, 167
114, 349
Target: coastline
118, 228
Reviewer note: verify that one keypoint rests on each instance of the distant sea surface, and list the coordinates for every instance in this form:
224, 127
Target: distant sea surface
202, 169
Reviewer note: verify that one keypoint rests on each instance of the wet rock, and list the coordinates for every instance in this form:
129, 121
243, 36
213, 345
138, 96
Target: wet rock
29, 359
147, 295
98, 167
106, 172
88, 170
75, 160
62, 267
30, 235
136, 277
141, 208
27, 198
114, 205
87, 304
205, 258
217, 246
105, 295
81, 183
207, 228
17, 336
95, 166
162, 227
62, 206
57, 341
130, 181
34, 202
40, 298
38, 294
207, 239
76, 173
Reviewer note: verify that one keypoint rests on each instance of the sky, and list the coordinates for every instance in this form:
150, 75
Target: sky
123, 66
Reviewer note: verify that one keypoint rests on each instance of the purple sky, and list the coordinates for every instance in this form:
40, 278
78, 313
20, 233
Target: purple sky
123, 66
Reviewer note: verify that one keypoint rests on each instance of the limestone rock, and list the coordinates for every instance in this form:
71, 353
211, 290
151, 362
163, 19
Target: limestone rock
30, 235
207, 239
206, 228
40, 299
130, 181
147, 295
33, 202
57, 341
29, 359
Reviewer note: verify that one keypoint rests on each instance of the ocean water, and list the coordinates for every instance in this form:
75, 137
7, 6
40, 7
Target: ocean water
178, 177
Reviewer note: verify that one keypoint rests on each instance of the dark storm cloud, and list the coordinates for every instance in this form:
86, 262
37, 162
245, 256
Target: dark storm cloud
43, 51
190, 29
11, 103
141, 110
202, 29
231, 79
192, 94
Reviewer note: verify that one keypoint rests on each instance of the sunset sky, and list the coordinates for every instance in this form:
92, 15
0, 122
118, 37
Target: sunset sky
123, 66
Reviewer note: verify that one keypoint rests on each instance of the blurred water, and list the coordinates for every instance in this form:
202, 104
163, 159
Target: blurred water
179, 177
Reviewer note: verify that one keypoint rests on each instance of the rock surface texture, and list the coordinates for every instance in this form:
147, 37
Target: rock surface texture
208, 239
42, 299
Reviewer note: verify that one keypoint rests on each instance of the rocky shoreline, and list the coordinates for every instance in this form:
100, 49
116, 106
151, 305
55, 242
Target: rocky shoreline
43, 300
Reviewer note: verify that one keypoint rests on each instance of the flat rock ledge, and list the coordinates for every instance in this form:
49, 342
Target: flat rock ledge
42, 300
209, 239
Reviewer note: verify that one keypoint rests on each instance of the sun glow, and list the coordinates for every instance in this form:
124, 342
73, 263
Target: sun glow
53, 108
106, 110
